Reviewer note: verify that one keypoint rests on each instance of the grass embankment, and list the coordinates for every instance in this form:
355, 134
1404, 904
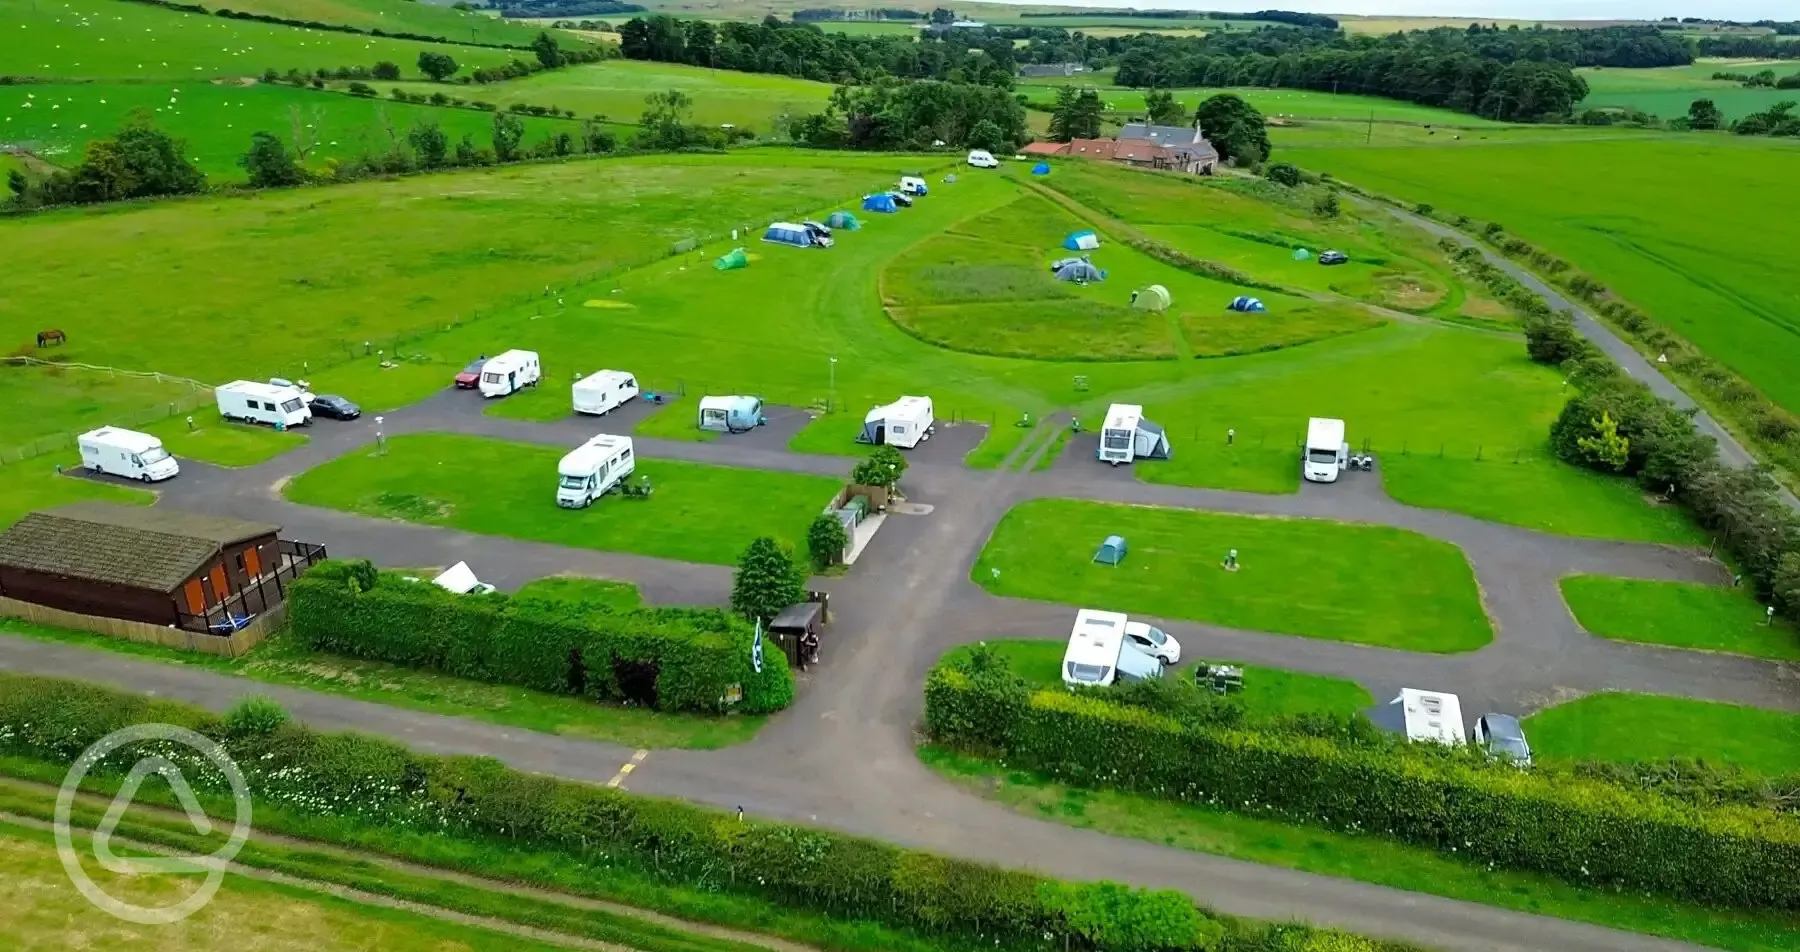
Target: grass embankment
1637, 727
698, 513
1679, 615
1536, 493
1365, 584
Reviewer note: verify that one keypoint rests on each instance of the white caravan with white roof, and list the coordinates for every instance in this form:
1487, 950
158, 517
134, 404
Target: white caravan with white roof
1431, 716
603, 391
127, 453
509, 373
1099, 653
1118, 437
1325, 454
460, 579
904, 423
592, 469
252, 402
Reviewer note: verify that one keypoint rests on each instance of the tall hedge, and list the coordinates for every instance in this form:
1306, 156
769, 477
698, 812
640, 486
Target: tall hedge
1584, 831
696, 655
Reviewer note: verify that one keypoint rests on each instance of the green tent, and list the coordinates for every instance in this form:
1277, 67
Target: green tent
843, 220
1301, 254
732, 260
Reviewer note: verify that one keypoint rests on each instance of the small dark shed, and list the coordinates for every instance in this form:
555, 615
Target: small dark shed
793, 624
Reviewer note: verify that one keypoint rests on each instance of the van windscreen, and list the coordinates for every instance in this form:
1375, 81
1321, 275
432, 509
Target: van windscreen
1322, 456
1118, 439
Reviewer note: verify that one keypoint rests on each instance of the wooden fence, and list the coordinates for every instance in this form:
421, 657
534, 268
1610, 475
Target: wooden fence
224, 646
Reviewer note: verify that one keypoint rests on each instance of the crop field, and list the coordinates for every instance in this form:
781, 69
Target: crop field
217, 120
1679, 615
400, 16
1296, 103
1636, 727
1684, 257
1364, 584
1668, 91
115, 39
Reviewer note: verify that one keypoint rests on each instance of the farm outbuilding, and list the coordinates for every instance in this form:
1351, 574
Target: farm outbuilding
1080, 271
1082, 241
1153, 298
843, 220
880, 202
1112, 551
1246, 304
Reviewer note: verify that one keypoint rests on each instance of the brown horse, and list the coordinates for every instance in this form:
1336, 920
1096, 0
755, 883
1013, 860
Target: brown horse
53, 336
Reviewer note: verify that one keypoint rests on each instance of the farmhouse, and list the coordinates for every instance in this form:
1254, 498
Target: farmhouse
1040, 70
1143, 146
155, 565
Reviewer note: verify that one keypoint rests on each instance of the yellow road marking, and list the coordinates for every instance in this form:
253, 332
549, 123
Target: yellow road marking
626, 769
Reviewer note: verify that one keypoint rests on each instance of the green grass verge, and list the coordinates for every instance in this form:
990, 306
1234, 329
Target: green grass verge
1002, 439
1542, 494
698, 513
1622, 727
618, 596
1212, 464
35, 484
1366, 584
212, 440
1362, 858
1680, 615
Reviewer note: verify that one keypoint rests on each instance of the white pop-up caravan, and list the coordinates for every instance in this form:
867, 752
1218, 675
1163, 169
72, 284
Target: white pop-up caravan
592, 469
459, 578
127, 453
904, 423
1431, 716
509, 373
1126, 436
603, 391
252, 402
1325, 453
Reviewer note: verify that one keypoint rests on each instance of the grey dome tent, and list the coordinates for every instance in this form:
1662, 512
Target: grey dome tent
1112, 551
1153, 298
843, 220
1246, 304
1080, 271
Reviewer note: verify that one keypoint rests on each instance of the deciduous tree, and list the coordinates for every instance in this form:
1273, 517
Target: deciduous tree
438, 66
269, 164
429, 143
884, 467
1234, 127
1703, 114
508, 131
826, 540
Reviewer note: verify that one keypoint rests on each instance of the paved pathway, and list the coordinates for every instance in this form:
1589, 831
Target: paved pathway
843, 755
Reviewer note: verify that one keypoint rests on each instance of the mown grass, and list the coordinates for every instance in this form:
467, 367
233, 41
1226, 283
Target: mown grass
1365, 584
68, 400
35, 484
405, 16
1679, 615
1536, 493
212, 440
1623, 727
698, 513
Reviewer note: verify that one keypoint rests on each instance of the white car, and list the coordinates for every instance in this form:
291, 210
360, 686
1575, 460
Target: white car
1153, 641
983, 159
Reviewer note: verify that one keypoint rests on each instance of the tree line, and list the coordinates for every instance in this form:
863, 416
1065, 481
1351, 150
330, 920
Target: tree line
1746, 46
891, 114
807, 52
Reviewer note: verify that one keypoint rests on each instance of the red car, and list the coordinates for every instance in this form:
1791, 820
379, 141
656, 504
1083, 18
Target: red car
470, 378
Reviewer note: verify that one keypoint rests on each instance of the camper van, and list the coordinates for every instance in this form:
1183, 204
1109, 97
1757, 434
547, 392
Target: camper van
592, 469
603, 391
913, 185
1126, 436
509, 373
1431, 716
252, 402
126, 453
731, 414
983, 159
1099, 653
904, 423
1326, 453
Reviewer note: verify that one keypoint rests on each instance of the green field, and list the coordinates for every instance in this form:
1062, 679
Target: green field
1539, 493
115, 39
1638, 727
1364, 584
35, 484
698, 513
401, 16
1667, 91
1295, 103
1679, 615
68, 400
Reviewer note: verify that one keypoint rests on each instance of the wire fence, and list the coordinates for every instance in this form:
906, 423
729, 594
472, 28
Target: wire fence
1468, 448
198, 395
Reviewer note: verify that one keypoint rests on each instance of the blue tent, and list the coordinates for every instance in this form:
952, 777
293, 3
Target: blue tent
1246, 304
1112, 551
879, 202
788, 233
1042, 168
1080, 271
843, 220
1082, 241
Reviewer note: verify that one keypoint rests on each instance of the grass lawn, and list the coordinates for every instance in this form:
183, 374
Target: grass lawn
699, 513
1254, 469
212, 440
405, 16
618, 596
1362, 858
1537, 493
1366, 584
1268, 692
1633, 727
35, 484
1680, 615
65, 401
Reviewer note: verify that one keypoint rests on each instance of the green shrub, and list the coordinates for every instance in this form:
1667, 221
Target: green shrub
254, 715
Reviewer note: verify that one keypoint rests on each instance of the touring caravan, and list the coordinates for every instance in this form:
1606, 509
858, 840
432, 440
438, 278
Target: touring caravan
252, 402
509, 373
126, 453
1099, 653
603, 391
1325, 453
460, 579
1126, 436
592, 469
1431, 716
731, 414
904, 423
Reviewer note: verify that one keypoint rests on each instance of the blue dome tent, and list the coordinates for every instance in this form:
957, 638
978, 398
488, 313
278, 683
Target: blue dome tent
1082, 241
1042, 168
788, 233
1080, 271
1112, 551
879, 202
1246, 304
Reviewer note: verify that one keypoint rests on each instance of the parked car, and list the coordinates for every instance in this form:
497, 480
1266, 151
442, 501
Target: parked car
1153, 641
470, 377
1333, 257
821, 233
902, 199
333, 406
1501, 736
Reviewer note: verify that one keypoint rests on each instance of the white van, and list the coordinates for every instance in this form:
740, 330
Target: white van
1325, 454
126, 453
603, 391
509, 373
250, 402
1431, 716
913, 185
592, 469
1099, 653
983, 159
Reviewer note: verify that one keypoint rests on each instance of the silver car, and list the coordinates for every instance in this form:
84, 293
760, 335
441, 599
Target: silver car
1501, 736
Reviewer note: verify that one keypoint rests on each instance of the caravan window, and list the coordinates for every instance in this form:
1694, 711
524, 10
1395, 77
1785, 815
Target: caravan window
1088, 673
1322, 456
291, 405
712, 416
266, 406
628, 383
491, 378
624, 456
1121, 439
136, 460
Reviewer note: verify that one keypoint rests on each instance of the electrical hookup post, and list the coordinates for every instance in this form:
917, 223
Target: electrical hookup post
172, 754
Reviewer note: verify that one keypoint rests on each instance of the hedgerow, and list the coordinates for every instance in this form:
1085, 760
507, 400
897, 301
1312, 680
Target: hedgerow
672, 658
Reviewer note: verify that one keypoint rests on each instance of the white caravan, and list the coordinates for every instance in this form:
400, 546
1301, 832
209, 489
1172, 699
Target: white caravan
603, 391
459, 578
1325, 453
1099, 653
252, 402
983, 159
1118, 437
592, 469
903, 423
1431, 716
509, 373
126, 453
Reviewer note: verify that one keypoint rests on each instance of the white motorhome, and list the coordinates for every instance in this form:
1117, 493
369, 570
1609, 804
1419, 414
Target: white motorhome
913, 185
509, 373
1325, 454
1431, 716
592, 469
251, 402
1099, 653
983, 159
603, 391
904, 423
1126, 436
126, 453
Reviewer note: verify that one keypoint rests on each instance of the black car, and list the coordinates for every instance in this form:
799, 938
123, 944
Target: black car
1333, 257
333, 406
